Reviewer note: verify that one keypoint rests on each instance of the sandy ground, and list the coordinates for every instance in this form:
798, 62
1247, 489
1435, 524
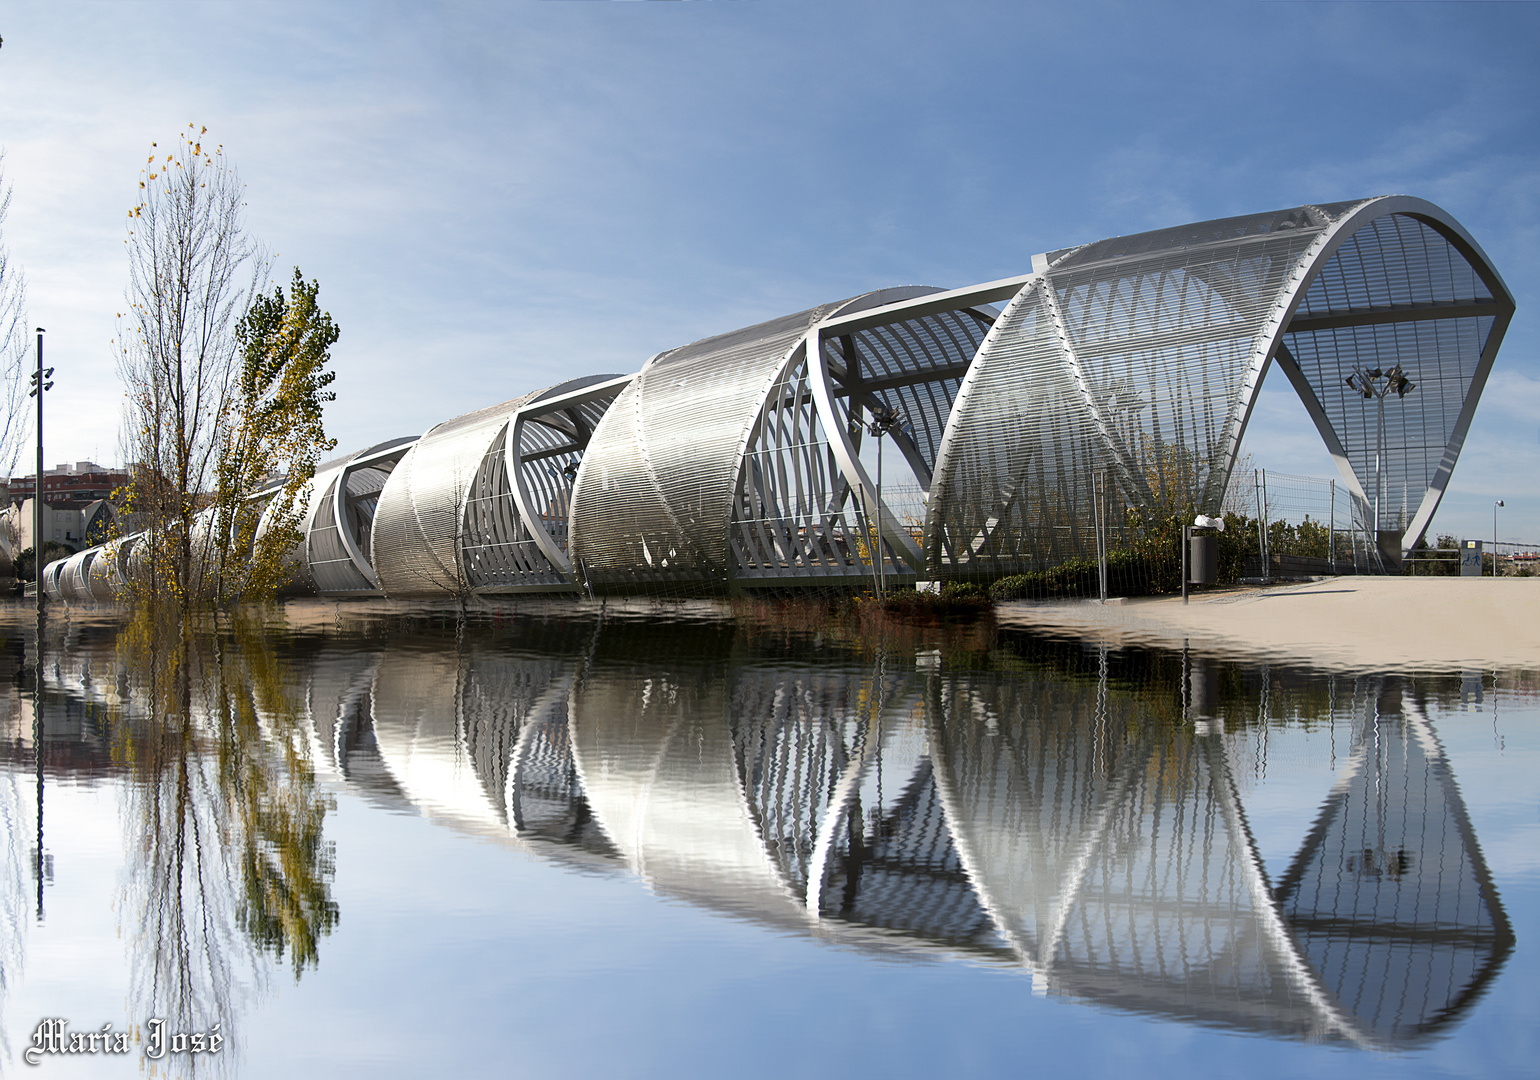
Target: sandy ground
1402, 624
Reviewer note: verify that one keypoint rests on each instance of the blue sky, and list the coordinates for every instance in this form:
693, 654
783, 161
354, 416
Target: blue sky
495, 197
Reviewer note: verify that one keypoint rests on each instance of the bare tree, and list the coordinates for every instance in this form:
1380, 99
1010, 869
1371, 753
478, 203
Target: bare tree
13, 344
192, 271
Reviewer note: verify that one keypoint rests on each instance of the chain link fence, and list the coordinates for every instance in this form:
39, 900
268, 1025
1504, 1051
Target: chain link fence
1304, 525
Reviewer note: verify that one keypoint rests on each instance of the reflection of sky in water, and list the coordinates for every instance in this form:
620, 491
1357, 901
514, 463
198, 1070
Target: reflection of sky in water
565, 854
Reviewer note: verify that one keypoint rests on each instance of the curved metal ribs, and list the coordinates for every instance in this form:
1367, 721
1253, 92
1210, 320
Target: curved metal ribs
736, 462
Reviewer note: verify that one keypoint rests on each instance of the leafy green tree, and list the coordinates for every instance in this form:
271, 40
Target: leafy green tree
53, 551
274, 430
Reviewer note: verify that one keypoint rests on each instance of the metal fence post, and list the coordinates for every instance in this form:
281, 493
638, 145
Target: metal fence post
1099, 513
1331, 529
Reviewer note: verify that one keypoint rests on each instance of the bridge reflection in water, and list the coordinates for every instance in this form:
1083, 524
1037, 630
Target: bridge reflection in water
1095, 836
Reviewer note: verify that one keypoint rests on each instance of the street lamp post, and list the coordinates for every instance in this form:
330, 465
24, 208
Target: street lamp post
1366, 381
884, 420
1495, 505
39, 383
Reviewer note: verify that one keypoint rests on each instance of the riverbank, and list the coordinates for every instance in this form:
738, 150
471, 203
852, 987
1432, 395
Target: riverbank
1358, 623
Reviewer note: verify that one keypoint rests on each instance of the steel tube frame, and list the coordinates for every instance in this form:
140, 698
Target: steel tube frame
1136, 357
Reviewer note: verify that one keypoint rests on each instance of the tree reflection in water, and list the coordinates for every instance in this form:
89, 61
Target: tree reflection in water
231, 868
14, 902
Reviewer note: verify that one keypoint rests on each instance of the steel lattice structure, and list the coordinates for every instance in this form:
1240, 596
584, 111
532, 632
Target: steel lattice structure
736, 462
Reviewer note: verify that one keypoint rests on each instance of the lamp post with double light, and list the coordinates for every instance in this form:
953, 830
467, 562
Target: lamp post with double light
40, 382
1366, 381
883, 421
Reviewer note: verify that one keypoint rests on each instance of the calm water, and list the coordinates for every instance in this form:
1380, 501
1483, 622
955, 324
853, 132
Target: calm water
367, 841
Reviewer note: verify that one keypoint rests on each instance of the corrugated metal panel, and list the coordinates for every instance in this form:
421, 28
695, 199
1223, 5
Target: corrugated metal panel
419, 521
654, 500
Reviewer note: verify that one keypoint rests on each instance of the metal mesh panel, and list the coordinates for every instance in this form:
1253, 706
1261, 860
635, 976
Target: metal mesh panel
73, 581
1012, 489
1395, 260
498, 551
1165, 343
906, 875
795, 516
1391, 268
331, 566
107, 574
1387, 897
545, 451
418, 522
1220, 231
653, 504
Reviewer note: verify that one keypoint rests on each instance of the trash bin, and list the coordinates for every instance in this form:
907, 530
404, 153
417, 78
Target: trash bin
1203, 559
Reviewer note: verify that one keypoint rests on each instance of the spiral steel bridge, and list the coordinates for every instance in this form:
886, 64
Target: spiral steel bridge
737, 462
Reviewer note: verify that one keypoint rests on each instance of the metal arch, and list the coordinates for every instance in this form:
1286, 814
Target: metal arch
654, 501
1265, 347
1197, 313
524, 503
52, 585
844, 451
323, 494
792, 492
788, 520
72, 575
822, 385
1069, 356
419, 530
960, 408
1309, 268
476, 488
1275, 932
389, 454
567, 398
